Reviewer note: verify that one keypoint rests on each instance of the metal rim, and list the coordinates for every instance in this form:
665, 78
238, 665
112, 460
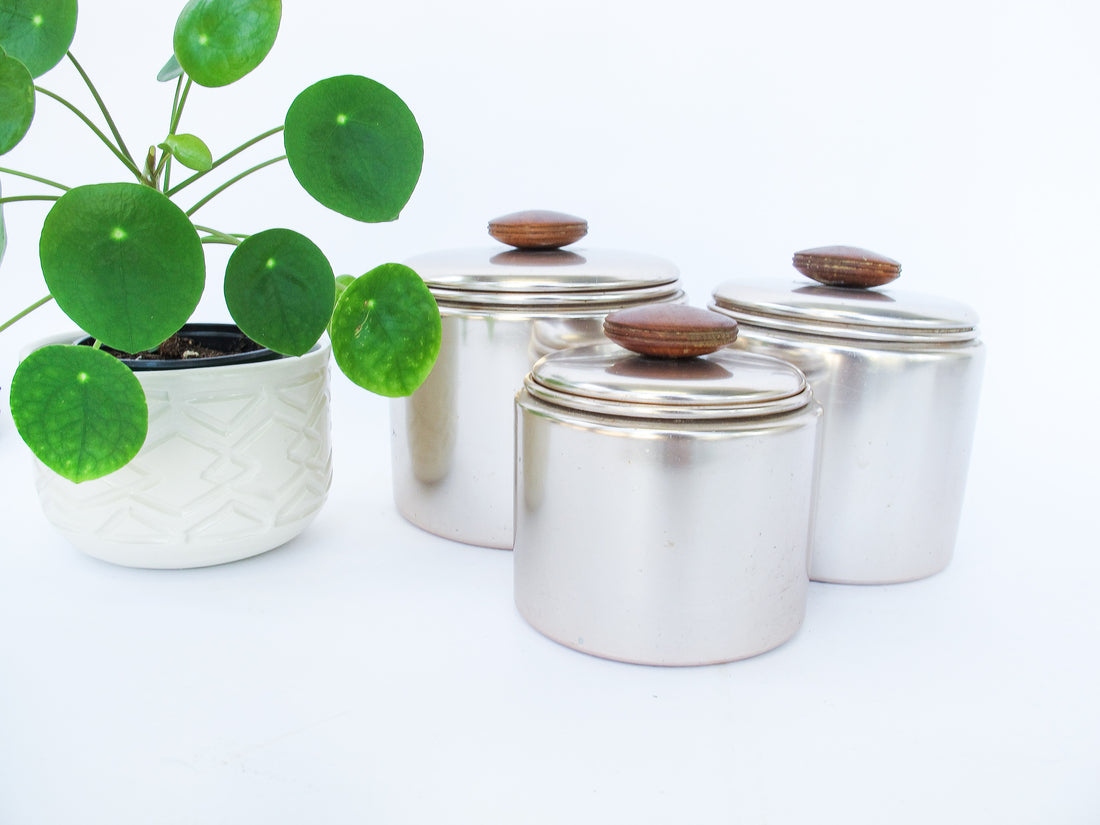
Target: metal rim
606, 380
862, 315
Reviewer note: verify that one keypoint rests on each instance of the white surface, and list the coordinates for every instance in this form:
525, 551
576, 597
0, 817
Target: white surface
368, 672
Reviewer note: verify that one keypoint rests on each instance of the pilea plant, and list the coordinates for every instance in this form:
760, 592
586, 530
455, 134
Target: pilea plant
127, 265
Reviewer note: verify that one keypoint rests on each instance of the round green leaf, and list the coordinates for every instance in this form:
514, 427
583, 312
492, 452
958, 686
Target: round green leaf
279, 288
16, 102
123, 262
355, 147
190, 151
386, 331
80, 410
37, 32
217, 42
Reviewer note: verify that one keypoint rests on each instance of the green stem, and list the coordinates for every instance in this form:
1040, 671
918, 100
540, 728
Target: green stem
177, 107
217, 236
25, 312
232, 181
163, 165
223, 159
175, 104
166, 158
102, 108
46, 181
17, 198
129, 163
178, 102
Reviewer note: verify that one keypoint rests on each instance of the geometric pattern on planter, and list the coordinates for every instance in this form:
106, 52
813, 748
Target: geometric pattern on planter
238, 460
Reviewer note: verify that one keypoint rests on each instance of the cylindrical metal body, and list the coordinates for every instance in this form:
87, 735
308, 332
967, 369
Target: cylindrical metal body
664, 536
452, 439
898, 376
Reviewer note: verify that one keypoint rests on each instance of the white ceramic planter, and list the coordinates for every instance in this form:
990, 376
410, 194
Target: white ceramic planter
238, 460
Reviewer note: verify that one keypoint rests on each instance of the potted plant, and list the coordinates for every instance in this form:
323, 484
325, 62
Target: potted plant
126, 263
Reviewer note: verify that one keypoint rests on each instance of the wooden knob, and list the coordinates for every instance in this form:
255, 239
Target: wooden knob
538, 229
670, 330
846, 266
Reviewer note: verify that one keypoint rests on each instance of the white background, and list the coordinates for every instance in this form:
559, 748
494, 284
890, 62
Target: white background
371, 673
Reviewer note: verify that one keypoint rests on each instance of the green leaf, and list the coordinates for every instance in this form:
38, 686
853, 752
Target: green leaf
37, 33
386, 331
279, 288
170, 70
342, 283
190, 151
123, 262
16, 102
80, 410
218, 42
355, 147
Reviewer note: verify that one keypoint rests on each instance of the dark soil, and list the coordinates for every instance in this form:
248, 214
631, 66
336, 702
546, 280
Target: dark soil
180, 347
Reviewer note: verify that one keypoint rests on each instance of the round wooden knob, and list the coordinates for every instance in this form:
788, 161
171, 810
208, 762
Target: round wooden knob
670, 330
846, 266
538, 229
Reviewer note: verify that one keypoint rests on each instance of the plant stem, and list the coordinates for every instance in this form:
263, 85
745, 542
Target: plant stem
18, 198
218, 237
166, 158
25, 312
102, 108
223, 159
177, 107
178, 102
129, 163
232, 181
46, 181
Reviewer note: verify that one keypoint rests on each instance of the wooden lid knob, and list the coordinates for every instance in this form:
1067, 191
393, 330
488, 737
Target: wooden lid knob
538, 229
670, 330
846, 266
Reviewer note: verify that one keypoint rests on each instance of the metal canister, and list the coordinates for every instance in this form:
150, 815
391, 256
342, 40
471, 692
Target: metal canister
663, 507
502, 309
898, 375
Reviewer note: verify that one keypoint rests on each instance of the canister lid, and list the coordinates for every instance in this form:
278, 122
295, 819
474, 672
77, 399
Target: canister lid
541, 274
608, 380
878, 314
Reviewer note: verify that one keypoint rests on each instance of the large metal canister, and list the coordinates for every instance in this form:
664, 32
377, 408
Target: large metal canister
898, 375
502, 309
663, 508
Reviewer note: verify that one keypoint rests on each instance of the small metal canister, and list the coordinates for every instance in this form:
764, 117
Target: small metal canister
663, 507
898, 375
502, 309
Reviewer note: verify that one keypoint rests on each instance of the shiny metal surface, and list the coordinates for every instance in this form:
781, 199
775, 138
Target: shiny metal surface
452, 440
663, 542
864, 314
496, 274
609, 380
898, 424
502, 310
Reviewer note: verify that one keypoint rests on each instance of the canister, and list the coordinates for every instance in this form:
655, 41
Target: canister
664, 506
502, 309
898, 375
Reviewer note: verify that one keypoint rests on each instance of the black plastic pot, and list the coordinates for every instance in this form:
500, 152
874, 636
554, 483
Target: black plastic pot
215, 336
